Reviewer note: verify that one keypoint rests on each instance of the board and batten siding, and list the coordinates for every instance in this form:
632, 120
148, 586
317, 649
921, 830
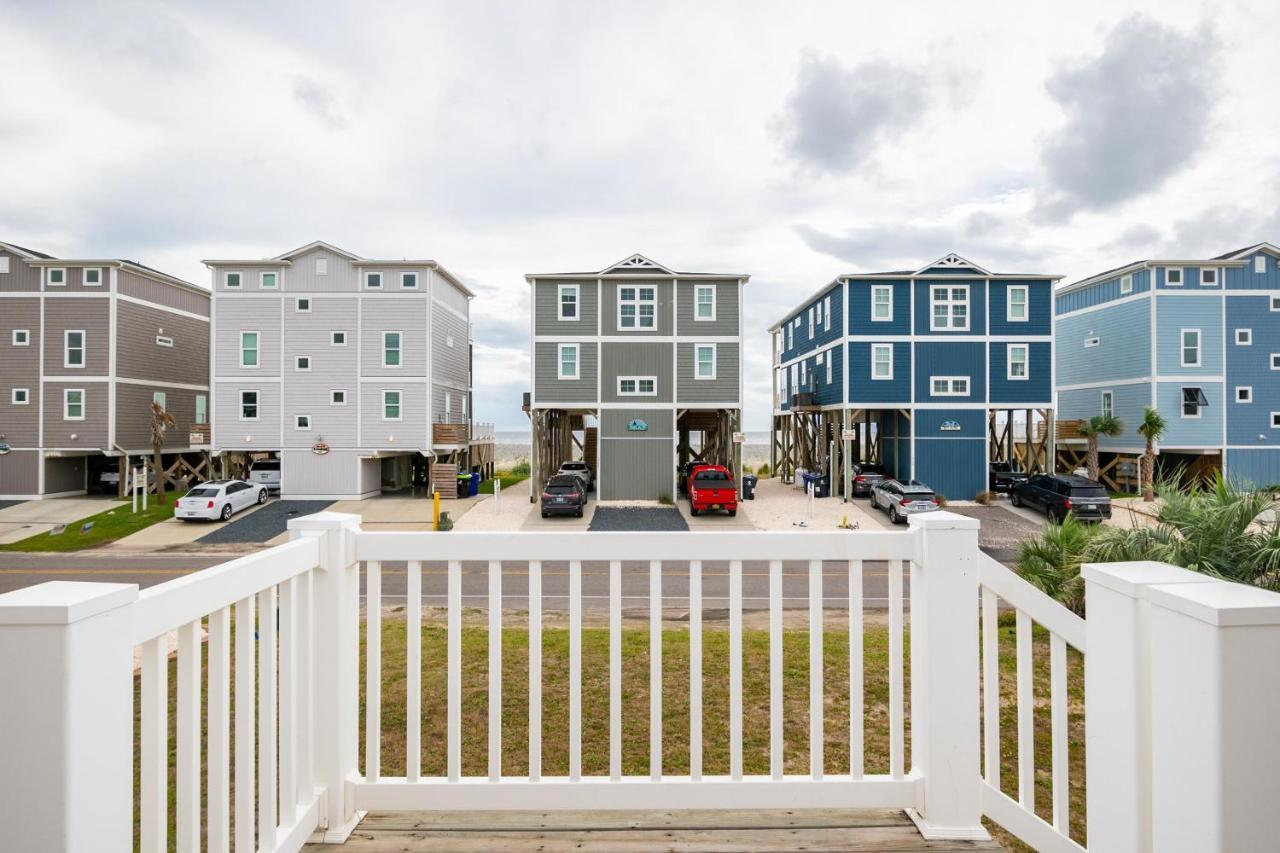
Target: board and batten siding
138, 356
635, 359
389, 313
93, 316
340, 275
722, 389
662, 308
247, 315
548, 388
303, 474
546, 308
183, 299
726, 312
20, 277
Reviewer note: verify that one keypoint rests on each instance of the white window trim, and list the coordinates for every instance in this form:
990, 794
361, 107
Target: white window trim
561, 290
791, 338
26, 396
1182, 277
697, 361
637, 302
1260, 264
1248, 390
405, 274
296, 426
399, 403
1104, 398
299, 302
257, 404
262, 279
26, 337
1182, 348
1246, 340
1126, 284
637, 380
160, 397
950, 392
299, 367
875, 347
1275, 420
1275, 361
577, 361
826, 313
1275, 303
933, 300
84, 277
164, 341
889, 289
1026, 362
697, 290
48, 278
1212, 281
1182, 404
1026, 304
66, 403
381, 280
399, 349
4, 264
322, 266
66, 349
202, 399
830, 361
1090, 343
332, 392
257, 348
226, 280
334, 343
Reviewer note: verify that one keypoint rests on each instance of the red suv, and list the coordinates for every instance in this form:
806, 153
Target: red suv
711, 487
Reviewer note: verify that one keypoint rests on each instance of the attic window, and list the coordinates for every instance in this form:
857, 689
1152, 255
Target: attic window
322, 266
1260, 264
4, 264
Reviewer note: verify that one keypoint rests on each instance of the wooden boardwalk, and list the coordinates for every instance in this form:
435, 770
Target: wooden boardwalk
720, 831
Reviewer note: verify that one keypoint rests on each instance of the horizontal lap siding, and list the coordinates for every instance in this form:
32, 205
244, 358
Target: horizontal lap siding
261, 315
1190, 432
20, 473
1124, 347
1039, 308
636, 359
229, 432
138, 356
827, 393
333, 368
864, 389
93, 316
133, 415
662, 309
411, 432
1128, 402
727, 309
977, 307
140, 287
950, 359
801, 341
303, 474
393, 313
1179, 312
549, 388
546, 308
90, 433
65, 474
1036, 388
860, 322
1251, 366
449, 363
20, 277
21, 369
722, 389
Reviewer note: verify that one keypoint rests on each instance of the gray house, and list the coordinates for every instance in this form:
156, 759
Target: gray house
87, 346
636, 369
356, 372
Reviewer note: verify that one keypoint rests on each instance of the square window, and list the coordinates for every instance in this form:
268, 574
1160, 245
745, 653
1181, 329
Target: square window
1244, 337
21, 337
269, 280
1193, 400
950, 307
409, 281
373, 280
568, 361
248, 405
338, 339
322, 266
302, 422
1275, 361
231, 280
57, 277
1209, 276
568, 295
303, 306
1126, 284
21, 396
1173, 276
73, 404
303, 362
704, 356
637, 307
92, 277
1244, 394
391, 405
1275, 303
337, 398
1275, 420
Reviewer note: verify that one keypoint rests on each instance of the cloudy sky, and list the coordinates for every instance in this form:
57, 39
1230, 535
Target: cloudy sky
792, 142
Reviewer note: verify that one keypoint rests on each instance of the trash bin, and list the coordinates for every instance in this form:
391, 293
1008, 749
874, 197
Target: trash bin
464, 485
475, 484
823, 488
819, 484
748, 487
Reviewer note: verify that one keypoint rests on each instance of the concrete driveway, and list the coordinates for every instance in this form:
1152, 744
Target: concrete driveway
172, 534
28, 518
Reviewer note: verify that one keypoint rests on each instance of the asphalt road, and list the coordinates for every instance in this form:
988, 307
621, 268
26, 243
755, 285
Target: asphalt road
18, 570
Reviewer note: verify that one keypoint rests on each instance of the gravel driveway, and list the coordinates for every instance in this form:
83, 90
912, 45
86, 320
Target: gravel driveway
1002, 530
268, 522
641, 518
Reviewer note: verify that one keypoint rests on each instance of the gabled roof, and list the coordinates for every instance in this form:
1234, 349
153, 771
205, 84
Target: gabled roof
316, 244
636, 265
1240, 253
29, 254
952, 260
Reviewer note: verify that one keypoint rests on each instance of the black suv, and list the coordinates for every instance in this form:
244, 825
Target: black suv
564, 493
1059, 494
1002, 477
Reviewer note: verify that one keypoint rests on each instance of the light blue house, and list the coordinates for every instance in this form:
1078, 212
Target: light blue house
931, 372
1198, 339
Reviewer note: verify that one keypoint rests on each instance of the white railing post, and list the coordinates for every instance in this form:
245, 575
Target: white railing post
66, 717
335, 649
1117, 700
945, 745
1215, 699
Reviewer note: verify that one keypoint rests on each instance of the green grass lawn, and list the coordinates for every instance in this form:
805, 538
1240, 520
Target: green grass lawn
635, 718
507, 479
107, 527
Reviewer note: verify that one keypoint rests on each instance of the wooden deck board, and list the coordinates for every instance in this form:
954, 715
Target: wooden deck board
693, 831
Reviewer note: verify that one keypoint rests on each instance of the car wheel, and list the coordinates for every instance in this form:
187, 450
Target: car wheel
544, 515
893, 515
733, 513
693, 511
872, 500
579, 512
1014, 498
226, 512
262, 496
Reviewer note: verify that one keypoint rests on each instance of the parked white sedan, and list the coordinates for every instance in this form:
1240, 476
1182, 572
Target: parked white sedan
218, 499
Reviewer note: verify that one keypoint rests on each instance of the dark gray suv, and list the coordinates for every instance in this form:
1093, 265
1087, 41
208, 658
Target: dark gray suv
1059, 494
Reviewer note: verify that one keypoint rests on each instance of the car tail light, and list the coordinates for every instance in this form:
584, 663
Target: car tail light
859, 479
210, 505
1066, 504
904, 502
547, 496
933, 501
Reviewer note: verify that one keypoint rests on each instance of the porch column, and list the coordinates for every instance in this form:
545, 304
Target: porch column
66, 717
336, 647
1215, 699
945, 743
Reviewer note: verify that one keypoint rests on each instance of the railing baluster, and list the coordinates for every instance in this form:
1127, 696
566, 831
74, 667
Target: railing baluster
775, 670
1026, 730
897, 740
454, 722
305, 660
816, 692
219, 731
990, 689
856, 698
695, 670
1058, 718
655, 670
535, 670
154, 787
267, 719
575, 670
735, 669
413, 674
373, 671
495, 670
288, 702
188, 735
244, 748
615, 670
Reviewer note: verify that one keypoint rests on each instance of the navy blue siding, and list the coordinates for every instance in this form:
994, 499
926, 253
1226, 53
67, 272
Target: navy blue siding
953, 462
860, 322
801, 341
1039, 312
959, 358
1190, 279
864, 389
977, 307
895, 444
826, 393
1036, 388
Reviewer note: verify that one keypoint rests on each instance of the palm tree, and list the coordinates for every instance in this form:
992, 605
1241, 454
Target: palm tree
1152, 428
1096, 426
161, 422
1051, 561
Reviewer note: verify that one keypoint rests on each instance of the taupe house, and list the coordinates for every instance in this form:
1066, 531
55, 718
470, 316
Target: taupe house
87, 346
636, 369
355, 372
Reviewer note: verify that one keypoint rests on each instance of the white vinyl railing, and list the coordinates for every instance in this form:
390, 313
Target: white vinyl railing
1171, 764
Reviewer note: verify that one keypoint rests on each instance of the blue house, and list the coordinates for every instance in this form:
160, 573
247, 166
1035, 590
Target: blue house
933, 373
1197, 339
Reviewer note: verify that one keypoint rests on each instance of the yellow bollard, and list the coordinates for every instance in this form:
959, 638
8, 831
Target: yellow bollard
435, 510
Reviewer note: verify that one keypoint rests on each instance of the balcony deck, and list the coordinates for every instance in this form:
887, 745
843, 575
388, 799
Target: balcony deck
637, 831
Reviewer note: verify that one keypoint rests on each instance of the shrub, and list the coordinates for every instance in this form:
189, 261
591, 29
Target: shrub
942, 500
1051, 561
763, 471
665, 500
987, 498
521, 468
